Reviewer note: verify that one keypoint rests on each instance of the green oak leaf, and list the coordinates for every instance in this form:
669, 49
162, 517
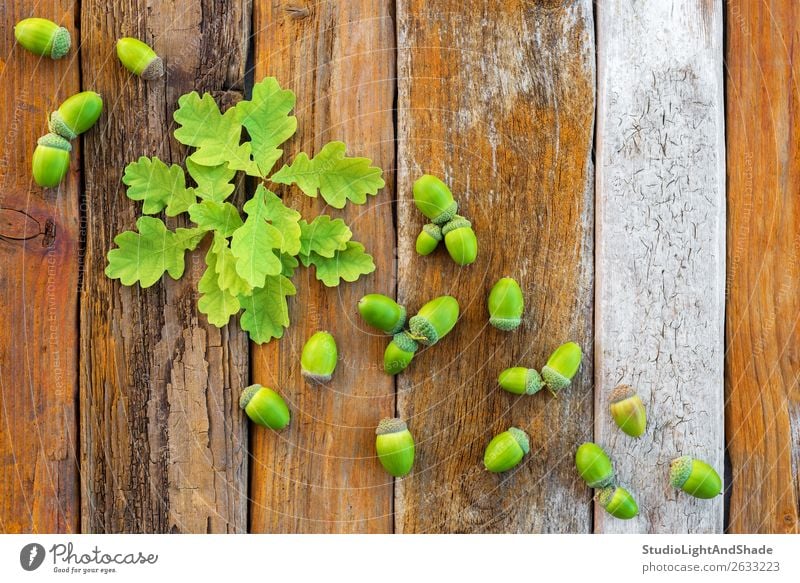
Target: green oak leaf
337, 177
215, 135
146, 255
221, 217
283, 218
266, 311
348, 264
288, 262
266, 117
158, 186
213, 182
217, 304
226, 268
324, 236
241, 159
189, 239
253, 242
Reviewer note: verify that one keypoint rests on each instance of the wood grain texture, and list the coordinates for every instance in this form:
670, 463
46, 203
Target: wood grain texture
497, 98
163, 442
39, 249
321, 474
660, 242
763, 316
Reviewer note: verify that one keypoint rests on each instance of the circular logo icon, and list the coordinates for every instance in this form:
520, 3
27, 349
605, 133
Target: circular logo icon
31, 556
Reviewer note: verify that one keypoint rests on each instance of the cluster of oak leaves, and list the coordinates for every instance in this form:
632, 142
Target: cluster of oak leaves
250, 260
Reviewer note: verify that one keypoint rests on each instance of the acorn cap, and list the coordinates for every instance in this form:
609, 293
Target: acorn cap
554, 380
458, 222
505, 324
533, 382
390, 425
248, 394
605, 495
421, 328
57, 125
154, 70
405, 343
52, 140
679, 471
521, 438
620, 393
433, 230
447, 214
61, 43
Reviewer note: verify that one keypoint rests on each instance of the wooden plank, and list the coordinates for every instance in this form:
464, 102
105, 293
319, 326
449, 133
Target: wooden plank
321, 475
497, 98
660, 258
39, 250
162, 439
763, 352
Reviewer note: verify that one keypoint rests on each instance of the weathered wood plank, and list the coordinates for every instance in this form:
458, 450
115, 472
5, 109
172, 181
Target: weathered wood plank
321, 474
497, 98
763, 352
39, 250
660, 261
162, 439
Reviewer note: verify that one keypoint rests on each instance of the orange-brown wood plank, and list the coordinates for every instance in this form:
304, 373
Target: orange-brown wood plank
497, 98
39, 255
762, 417
321, 474
163, 443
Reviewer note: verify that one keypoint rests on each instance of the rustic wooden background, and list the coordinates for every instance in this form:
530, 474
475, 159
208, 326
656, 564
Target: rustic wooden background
634, 165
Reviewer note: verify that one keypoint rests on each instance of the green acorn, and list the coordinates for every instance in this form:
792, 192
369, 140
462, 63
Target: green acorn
319, 357
618, 502
76, 115
594, 466
382, 312
460, 240
628, 411
51, 160
139, 58
399, 353
520, 380
395, 446
562, 365
265, 407
506, 450
428, 238
434, 320
43, 37
506, 304
695, 477
434, 199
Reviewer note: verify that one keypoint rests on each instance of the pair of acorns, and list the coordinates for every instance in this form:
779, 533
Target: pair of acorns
393, 442
45, 38
507, 449
432, 323
693, 476
434, 199
80, 112
266, 407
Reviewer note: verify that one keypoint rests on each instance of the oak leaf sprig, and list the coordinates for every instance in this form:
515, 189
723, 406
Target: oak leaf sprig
254, 251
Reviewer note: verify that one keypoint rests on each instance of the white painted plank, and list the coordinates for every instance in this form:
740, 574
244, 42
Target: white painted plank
660, 260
